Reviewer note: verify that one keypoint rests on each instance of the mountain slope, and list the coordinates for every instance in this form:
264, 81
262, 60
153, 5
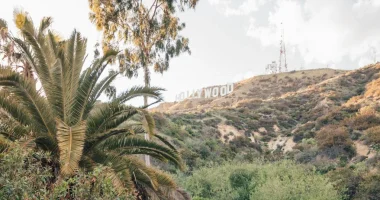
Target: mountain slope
311, 116
259, 87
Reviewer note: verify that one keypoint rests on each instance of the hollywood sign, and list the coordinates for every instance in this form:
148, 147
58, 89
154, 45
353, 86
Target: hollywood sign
206, 92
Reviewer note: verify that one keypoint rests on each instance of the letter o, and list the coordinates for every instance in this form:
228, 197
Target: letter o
215, 92
230, 88
182, 96
223, 91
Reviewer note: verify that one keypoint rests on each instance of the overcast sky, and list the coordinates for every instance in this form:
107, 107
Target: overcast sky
234, 39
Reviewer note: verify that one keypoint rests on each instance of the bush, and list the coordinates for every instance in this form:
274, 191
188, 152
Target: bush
306, 156
28, 175
346, 181
366, 118
22, 176
373, 135
369, 189
286, 180
242, 181
213, 122
333, 135
278, 180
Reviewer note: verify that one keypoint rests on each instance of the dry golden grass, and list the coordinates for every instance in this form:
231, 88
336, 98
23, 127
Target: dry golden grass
263, 87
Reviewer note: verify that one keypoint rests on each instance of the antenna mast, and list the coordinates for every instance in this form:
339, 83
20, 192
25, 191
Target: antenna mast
282, 51
273, 68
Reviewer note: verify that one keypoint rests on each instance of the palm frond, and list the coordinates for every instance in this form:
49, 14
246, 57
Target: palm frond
41, 68
53, 44
57, 99
118, 164
14, 109
12, 129
108, 116
31, 99
165, 141
70, 143
78, 61
114, 132
87, 85
98, 90
46, 143
148, 122
28, 25
139, 91
136, 143
44, 24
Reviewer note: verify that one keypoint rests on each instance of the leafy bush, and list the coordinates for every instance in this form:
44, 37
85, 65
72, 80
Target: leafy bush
242, 181
366, 118
278, 180
28, 175
286, 180
333, 135
373, 135
306, 156
369, 188
213, 122
346, 181
22, 175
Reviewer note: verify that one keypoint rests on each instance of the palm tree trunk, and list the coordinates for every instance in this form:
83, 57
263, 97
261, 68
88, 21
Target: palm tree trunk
147, 84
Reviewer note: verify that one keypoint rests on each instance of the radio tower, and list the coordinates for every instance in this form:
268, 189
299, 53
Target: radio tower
282, 52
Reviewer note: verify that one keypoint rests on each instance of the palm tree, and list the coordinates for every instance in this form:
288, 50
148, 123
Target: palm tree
65, 118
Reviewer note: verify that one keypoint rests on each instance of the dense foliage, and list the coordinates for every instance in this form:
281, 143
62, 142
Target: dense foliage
26, 175
295, 135
332, 126
64, 117
243, 181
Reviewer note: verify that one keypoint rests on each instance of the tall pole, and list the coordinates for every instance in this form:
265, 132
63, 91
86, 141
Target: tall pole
283, 39
146, 136
282, 51
374, 55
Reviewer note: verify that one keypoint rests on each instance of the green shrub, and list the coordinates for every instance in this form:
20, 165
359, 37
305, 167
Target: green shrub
333, 135
346, 181
278, 180
373, 135
243, 181
369, 188
22, 175
286, 180
26, 174
365, 119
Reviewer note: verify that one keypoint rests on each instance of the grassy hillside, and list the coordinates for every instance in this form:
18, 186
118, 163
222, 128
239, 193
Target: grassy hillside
327, 118
264, 87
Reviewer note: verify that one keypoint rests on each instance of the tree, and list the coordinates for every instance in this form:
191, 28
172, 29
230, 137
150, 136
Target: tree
150, 34
64, 118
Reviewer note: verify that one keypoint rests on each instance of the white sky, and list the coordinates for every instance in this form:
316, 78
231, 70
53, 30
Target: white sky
235, 39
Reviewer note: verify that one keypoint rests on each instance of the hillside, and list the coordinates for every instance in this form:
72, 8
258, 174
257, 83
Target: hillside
311, 116
264, 87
